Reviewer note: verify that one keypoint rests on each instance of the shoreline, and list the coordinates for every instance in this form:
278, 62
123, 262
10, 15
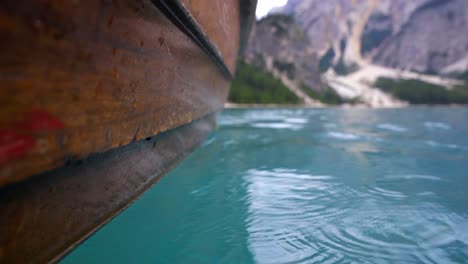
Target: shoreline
229, 105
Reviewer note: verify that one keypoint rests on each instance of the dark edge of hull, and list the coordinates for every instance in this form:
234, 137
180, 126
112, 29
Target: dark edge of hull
184, 21
247, 10
62, 208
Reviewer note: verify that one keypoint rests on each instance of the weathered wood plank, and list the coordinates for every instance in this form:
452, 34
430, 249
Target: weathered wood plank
45, 217
219, 20
79, 77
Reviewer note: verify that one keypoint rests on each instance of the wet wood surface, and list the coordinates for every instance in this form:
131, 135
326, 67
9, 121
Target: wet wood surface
80, 77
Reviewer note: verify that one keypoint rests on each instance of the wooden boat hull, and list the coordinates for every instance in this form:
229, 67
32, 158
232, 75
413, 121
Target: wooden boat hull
86, 78
44, 218
104, 97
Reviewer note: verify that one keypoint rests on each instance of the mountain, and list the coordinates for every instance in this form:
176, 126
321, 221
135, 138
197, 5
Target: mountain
351, 45
280, 46
427, 36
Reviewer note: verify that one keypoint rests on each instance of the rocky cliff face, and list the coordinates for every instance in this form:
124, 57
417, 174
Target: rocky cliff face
428, 36
349, 44
434, 38
278, 45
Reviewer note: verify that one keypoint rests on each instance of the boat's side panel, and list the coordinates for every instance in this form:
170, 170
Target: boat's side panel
45, 217
219, 20
78, 77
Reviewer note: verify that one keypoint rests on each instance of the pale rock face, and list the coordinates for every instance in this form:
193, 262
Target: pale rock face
434, 38
369, 38
288, 50
418, 35
330, 22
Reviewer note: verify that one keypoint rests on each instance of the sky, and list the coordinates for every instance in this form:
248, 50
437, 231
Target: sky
263, 6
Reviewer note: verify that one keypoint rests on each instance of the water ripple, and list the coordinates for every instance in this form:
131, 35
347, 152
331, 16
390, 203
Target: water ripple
392, 127
310, 218
306, 186
278, 125
437, 125
441, 145
413, 177
342, 136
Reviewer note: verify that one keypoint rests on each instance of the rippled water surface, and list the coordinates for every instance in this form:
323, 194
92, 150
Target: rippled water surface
306, 186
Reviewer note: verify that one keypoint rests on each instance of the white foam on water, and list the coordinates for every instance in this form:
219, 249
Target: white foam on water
342, 136
441, 145
288, 173
392, 127
230, 142
387, 193
426, 194
413, 177
278, 125
437, 125
266, 115
296, 120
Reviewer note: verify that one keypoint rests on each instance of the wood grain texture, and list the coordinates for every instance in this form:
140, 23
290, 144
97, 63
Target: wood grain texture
79, 77
220, 21
79, 82
45, 217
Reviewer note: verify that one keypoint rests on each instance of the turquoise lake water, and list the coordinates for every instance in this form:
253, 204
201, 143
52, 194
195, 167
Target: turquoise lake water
306, 186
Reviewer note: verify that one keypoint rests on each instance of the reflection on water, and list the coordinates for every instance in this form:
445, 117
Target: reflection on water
306, 186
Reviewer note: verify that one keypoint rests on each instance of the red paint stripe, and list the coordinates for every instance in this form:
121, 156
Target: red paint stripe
14, 145
40, 121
